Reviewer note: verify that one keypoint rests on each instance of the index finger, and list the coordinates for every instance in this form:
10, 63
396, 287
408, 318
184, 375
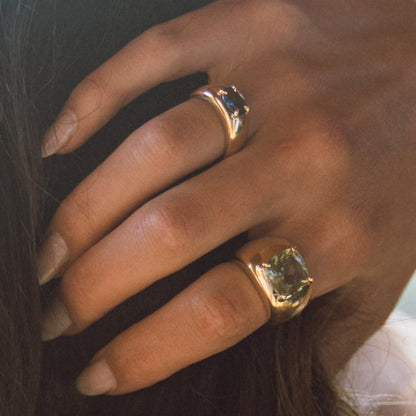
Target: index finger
165, 52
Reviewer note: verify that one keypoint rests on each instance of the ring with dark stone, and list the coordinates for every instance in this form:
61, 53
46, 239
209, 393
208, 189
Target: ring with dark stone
232, 109
234, 101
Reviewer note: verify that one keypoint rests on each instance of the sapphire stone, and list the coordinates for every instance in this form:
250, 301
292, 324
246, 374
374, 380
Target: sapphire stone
234, 101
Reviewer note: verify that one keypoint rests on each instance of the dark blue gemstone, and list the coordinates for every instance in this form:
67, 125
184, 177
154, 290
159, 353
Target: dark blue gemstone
234, 101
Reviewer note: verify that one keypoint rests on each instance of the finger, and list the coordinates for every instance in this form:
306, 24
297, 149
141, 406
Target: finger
211, 315
167, 233
169, 147
164, 52
176, 228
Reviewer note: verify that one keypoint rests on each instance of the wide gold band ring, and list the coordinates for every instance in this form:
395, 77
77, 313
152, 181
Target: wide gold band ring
233, 110
279, 274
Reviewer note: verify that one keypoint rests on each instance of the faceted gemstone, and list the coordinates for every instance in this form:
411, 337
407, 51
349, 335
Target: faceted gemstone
234, 101
288, 276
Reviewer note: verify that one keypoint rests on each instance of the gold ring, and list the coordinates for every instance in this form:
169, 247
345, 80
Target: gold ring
280, 275
233, 109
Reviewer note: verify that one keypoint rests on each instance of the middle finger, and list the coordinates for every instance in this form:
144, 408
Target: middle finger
164, 235
169, 147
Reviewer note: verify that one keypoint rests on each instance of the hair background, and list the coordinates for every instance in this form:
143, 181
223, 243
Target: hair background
46, 48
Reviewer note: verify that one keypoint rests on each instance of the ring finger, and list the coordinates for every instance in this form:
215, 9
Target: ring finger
165, 234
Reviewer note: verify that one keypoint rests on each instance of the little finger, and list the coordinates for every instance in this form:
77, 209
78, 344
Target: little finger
214, 313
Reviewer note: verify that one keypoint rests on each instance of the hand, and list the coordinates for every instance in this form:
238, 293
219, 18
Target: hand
329, 165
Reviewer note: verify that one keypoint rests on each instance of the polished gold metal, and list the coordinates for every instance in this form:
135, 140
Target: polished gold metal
234, 120
279, 274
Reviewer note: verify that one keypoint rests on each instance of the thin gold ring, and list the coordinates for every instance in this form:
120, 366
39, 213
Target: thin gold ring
233, 110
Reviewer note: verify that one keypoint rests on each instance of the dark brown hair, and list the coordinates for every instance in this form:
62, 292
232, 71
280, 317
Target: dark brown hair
46, 48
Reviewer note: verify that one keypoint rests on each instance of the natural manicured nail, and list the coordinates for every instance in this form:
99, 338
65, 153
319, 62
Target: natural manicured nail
59, 133
96, 379
55, 321
52, 256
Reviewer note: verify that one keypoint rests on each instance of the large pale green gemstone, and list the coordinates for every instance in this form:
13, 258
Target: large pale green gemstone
288, 276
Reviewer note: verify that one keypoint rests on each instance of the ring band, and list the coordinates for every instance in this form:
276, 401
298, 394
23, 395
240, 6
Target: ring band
279, 274
233, 109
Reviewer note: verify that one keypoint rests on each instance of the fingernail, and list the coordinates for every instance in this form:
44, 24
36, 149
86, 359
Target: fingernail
59, 133
55, 321
96, 379
52, 256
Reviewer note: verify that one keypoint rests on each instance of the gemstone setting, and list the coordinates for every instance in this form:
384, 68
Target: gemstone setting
289, 278
234, 101
279, 274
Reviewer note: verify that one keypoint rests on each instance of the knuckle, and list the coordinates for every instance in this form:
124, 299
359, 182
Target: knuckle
157, 144
217, 316
169, 226
78, 299
141, 367
93, 89
76, 212
164, 36
97, 91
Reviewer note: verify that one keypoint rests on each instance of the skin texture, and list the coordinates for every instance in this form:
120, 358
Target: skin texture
329, 165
